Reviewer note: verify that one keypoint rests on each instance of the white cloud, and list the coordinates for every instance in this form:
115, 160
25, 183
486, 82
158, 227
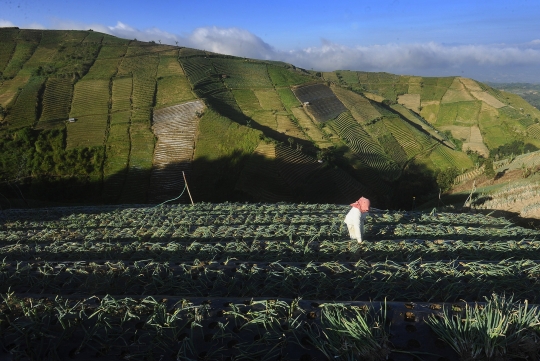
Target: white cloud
6, 24
230, 41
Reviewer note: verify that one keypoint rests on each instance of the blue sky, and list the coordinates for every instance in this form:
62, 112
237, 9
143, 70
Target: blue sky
486, 40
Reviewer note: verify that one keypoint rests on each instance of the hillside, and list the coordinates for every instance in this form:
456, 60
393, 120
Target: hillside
87, 117
529, 92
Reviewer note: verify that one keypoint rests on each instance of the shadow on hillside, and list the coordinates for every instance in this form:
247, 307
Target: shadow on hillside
236, 178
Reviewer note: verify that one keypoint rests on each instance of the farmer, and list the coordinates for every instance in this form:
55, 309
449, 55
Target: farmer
355, 218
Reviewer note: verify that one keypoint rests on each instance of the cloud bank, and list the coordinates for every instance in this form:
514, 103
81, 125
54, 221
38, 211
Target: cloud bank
495, 62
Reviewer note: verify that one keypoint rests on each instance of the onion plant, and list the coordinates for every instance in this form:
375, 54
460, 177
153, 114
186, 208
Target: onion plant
501, 329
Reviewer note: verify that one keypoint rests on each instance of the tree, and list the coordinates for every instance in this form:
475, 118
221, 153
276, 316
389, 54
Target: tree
445, 178
488, 170
291, 141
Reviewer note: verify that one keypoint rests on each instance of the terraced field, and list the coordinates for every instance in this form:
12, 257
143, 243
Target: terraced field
249, 280
175, 129
319, 101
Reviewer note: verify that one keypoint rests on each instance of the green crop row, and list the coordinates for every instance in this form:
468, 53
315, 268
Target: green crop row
417, 280
301, 249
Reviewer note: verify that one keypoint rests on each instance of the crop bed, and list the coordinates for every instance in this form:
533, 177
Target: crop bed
245, 281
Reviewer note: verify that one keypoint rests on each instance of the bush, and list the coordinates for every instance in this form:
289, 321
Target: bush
445, 178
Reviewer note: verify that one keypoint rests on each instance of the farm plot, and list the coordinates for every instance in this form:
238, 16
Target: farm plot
360, 107
140, 160
269, 99
240, 73
247, 101
488, 99
24, 111
174, 128
87, 131
288, 99
319, 101
10, 89
411, 101
476, 142
107, 62
173, 86
26, 45
284, 77
430, 111
456, 93
183, 280
444, 157
122, 89
349, 77
117, 149
288, 128
403, 134
7, 45
310, 128
56, 99
90, 97
332, 77
534, 131
369, 152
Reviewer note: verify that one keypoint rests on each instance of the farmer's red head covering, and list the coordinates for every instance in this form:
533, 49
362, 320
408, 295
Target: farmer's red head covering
362, 204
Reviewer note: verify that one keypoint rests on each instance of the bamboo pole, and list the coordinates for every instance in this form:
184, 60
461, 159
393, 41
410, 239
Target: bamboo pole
189, 193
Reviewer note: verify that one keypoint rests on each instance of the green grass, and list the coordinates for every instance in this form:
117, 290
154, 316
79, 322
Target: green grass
247, 100
269, 99
288, 99
432, 92
443, 158
349, 77
447, 114
331, 76
173, 90
283, 77
468, 112
240, 73
169, 65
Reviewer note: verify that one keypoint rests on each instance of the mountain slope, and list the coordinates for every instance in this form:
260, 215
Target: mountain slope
87, 117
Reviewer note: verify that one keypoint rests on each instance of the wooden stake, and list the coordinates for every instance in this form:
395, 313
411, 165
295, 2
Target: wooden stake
184, 174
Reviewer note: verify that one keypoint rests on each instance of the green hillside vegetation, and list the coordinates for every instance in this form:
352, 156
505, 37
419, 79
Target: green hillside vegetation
373, 132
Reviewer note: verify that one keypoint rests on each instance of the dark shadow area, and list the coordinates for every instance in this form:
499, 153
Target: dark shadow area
292, 177
417, 185
500, 174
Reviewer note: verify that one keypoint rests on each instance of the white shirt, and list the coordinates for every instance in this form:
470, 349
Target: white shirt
353, 217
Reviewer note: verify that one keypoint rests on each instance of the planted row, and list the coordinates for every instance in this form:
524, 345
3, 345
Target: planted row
410, 281
299, 250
